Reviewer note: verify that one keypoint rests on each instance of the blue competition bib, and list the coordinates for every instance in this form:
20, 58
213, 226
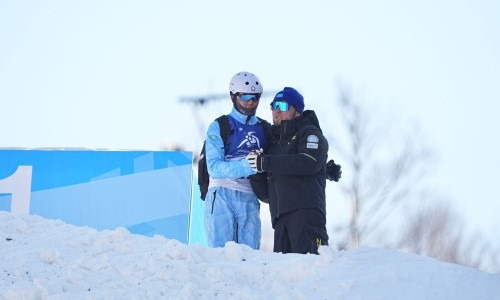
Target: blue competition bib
244, 139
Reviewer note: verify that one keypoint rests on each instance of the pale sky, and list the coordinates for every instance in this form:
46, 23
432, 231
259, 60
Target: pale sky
109, 74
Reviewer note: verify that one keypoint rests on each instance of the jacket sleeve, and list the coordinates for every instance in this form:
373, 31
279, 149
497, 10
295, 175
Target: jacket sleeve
214, 151
259, 186
311, 155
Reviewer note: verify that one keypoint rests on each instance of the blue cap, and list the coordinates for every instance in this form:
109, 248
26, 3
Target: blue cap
293, 98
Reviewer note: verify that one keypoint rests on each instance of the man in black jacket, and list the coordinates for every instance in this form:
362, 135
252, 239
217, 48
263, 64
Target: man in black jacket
295, 164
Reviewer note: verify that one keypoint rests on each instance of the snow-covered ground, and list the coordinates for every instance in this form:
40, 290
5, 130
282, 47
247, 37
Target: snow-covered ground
48, 259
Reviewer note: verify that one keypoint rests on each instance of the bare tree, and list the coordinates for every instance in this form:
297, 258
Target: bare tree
434, 232
437, 231
384, 169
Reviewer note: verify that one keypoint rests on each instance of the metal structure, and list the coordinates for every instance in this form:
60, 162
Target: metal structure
199, 101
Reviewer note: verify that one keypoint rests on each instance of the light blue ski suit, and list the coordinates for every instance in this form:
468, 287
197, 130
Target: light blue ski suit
231, 208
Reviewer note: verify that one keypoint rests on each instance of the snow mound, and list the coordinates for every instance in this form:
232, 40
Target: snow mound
48, 259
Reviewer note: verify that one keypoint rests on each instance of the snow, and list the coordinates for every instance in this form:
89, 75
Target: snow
48, 259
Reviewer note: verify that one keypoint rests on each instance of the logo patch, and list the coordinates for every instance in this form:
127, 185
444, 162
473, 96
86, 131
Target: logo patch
250, 139
312, 142
312, 139
312, 146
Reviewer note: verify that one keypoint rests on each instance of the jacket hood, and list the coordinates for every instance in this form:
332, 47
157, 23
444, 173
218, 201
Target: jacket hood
309, 116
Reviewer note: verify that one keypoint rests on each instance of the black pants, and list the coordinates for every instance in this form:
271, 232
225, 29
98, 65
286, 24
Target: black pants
300, 231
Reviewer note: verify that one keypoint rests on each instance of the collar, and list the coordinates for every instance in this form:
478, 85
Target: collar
235, 114
287, 127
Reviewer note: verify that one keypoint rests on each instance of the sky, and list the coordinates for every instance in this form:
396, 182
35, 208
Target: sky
110, 75
48, 259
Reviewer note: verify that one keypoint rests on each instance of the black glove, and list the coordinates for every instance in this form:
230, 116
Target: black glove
333, 171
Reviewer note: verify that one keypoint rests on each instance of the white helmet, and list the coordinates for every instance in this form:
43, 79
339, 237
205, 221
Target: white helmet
245, 82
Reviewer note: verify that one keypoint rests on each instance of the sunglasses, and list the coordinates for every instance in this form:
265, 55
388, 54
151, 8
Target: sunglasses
248, 97
282, 105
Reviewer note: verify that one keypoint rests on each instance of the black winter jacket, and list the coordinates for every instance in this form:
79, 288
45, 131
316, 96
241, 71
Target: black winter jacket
295, 164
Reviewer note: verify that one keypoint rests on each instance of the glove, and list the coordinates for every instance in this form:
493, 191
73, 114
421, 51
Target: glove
255, 161
333, 171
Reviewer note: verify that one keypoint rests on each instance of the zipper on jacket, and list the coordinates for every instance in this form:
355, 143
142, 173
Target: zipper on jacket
213, 203
277, 202
236, 240
283, 132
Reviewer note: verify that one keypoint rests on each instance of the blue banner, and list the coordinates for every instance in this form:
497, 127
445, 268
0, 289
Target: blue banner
197, 228
147, 192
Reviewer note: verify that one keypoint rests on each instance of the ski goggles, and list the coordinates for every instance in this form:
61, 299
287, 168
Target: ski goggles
282, 105
248, 97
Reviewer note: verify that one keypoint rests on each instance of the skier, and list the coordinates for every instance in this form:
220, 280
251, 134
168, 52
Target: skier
231, 210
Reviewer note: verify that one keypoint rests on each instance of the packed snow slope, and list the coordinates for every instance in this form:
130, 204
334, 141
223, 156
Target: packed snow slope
48, 259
